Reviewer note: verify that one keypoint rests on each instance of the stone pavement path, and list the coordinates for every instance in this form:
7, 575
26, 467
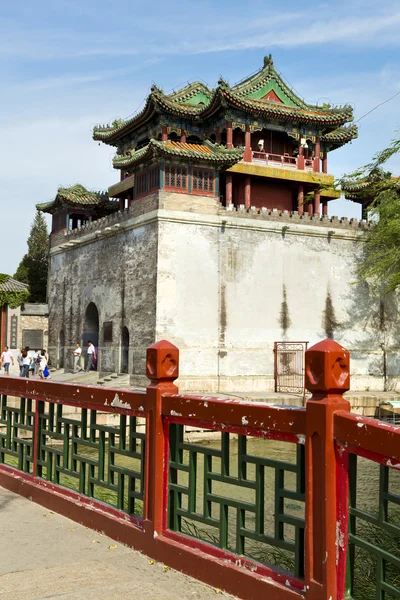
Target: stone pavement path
44, 556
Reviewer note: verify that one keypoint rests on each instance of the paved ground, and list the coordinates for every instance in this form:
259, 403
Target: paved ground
44, 555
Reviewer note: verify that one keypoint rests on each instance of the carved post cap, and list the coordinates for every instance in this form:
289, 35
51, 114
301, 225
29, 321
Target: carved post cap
162, 361
327, 368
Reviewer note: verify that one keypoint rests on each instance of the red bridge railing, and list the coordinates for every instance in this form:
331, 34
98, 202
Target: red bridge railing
271, 504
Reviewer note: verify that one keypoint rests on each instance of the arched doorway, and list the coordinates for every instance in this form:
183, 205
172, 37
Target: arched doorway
125, 350
61, 349
91, 326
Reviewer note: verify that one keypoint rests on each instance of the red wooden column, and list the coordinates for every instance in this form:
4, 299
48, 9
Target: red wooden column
300, 199
248, 155
228, 189
229, 135
317, 203
3, 326
310, 208
317, 158
247, 191
327, 376
325, 208
162, 368
325, 162
183, 137
164, 133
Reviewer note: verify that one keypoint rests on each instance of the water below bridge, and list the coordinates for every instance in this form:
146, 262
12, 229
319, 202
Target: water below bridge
218, 468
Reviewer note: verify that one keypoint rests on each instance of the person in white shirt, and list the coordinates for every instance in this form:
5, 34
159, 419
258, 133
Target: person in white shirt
77, 357
91, 354
24, 362
36, 361
43, 364
6, 359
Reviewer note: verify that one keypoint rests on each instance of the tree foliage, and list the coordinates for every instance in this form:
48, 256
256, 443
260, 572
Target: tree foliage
34, 265
380, 265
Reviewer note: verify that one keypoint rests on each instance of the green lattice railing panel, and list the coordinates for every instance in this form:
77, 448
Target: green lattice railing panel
104, 462
374, 531
17, 417
243, 495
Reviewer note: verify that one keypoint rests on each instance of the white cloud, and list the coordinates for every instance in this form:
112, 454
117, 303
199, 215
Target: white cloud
351, 26
49, 108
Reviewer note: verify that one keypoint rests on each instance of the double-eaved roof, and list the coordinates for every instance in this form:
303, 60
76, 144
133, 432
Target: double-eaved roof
263, 96
76, 196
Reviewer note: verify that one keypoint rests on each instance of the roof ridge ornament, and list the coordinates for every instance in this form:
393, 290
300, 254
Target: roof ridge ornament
268, 62
156, 90
222, 83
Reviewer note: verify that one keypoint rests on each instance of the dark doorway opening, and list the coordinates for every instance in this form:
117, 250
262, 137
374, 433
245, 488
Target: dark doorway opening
61, 350
91, 326
125, 350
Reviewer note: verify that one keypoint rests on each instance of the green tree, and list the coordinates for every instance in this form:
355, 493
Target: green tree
380, 265
34, 265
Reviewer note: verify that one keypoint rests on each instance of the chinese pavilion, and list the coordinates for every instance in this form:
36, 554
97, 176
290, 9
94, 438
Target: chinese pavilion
254, 144
75, 206
364, 190
216, 237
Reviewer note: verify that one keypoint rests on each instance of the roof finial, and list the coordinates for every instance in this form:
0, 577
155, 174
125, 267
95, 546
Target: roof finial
268, 61
222, 83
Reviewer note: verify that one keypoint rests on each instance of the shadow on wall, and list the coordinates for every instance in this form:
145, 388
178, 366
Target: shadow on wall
329, 321
378, 318
284, 317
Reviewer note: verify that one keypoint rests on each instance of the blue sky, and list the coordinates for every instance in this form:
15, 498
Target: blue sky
66, 65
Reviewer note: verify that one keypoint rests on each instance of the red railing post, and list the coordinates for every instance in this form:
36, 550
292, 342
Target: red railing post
162, 367
327, 377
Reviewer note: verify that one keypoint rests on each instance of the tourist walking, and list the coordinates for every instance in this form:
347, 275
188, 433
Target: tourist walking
36, 362
91, 352
77, 358
7, 359
43, 365
24, 362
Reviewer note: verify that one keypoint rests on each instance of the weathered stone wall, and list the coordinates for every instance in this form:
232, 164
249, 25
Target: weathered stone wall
118, 274
223, 285
34, 322
229, 287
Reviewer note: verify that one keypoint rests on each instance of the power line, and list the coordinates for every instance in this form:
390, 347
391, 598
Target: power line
377, 106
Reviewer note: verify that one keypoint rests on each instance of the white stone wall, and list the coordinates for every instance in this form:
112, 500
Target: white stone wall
213, 282
220, 290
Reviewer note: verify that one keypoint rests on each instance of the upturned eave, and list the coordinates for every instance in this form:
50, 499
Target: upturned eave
205, 153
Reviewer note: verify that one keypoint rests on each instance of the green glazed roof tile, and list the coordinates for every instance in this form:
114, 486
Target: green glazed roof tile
197, 102
76, 195
207, 152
